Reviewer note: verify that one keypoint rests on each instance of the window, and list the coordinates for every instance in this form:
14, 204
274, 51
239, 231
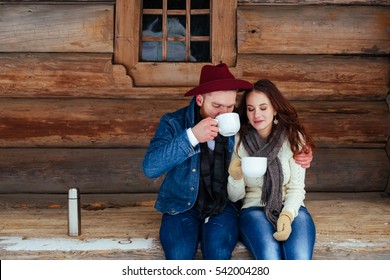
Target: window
162, 43
175, 31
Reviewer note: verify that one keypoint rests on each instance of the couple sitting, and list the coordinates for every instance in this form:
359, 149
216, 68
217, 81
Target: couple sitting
206, 198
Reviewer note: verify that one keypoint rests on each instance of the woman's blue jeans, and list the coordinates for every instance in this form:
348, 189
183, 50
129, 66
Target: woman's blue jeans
180, 234
256, 233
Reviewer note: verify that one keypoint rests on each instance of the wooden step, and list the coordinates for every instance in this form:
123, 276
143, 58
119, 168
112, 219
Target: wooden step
349, 226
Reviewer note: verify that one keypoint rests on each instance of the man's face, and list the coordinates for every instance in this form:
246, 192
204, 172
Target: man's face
215, 103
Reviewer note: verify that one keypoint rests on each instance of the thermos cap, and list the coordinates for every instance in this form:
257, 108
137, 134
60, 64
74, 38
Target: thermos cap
73, 193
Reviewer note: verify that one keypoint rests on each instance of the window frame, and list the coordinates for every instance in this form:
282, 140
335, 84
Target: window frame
127, 42
164, 39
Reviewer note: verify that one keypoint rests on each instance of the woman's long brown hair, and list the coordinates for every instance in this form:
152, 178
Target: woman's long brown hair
286, 115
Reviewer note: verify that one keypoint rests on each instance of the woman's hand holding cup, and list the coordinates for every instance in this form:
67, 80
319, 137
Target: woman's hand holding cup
235, 169
254, 166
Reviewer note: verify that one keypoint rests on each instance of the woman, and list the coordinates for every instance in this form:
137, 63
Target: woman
274, 223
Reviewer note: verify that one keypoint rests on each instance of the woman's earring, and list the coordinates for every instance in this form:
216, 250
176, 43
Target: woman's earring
275, 120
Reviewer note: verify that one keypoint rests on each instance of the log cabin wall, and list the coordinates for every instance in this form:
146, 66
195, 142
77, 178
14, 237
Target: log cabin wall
71, 115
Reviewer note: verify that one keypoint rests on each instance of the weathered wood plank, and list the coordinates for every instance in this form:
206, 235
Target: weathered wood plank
56, 1
240, 2
313, 30
127, 37
93, 75
352, 170
57, 28
314, 2
78, 123
91, 170
88, 201
321, 77
349, 226
132, 122
119, 171
347, 124
71, 75
388, 155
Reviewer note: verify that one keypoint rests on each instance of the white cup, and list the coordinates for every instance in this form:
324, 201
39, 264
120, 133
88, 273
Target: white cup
228, 124
254, 166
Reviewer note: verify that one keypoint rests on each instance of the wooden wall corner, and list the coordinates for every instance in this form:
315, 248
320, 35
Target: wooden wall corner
119, 74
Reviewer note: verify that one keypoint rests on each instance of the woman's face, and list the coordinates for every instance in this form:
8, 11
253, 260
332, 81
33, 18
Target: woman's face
260, 113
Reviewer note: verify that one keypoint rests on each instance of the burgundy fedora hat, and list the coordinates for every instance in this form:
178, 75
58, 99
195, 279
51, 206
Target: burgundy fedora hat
217, 78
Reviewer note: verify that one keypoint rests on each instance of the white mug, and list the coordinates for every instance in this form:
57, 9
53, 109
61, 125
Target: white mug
228, 124
254, 166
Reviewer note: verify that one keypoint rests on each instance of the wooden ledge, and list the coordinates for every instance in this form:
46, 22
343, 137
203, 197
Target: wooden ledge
349, 226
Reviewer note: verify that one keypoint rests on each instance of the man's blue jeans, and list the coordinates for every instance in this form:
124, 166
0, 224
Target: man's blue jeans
256, 233
180, 234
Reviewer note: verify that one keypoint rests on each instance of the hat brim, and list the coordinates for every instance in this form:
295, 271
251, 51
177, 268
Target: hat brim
220, 85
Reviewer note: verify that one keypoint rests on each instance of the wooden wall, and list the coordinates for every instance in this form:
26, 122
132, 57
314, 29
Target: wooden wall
70, 116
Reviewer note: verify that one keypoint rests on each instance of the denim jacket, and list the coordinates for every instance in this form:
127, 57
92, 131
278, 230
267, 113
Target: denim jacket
171, 153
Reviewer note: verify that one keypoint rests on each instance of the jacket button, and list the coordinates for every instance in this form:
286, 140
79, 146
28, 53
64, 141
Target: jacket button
192, 189
188, 203
194, 170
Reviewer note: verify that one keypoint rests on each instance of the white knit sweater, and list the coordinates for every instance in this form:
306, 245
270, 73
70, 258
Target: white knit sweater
250, 189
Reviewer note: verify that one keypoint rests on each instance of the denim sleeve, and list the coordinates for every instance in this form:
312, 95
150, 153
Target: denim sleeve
168, 148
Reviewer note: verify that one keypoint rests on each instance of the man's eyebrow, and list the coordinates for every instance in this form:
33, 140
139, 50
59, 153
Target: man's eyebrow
219, 104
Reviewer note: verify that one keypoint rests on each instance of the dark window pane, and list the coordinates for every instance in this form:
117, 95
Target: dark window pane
177, 26
200, 25
151, 25
152, 4
200, 4
201, 51
176, 4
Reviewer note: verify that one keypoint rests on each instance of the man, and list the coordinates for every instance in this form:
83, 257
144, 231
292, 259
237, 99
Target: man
195, 158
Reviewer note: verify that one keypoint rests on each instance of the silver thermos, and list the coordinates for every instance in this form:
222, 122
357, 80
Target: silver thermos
74, 215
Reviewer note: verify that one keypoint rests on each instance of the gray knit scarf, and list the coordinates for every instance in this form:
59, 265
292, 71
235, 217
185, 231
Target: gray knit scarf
273, 178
